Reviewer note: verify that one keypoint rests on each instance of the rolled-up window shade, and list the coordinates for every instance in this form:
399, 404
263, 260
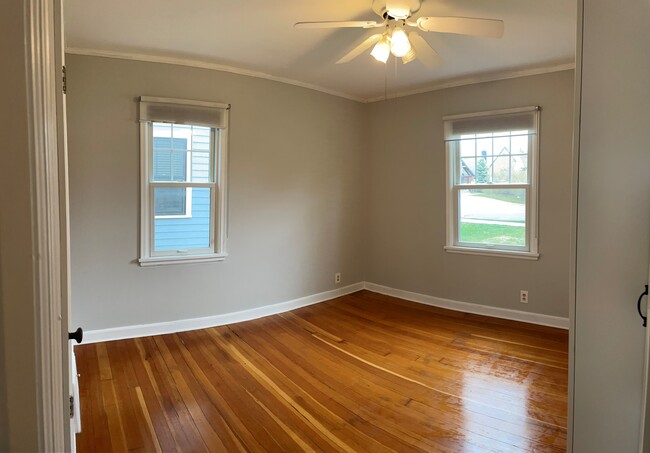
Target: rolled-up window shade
200, 113
507, 121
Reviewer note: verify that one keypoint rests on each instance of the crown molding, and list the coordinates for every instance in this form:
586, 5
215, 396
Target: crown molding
481, 78
207, 65
194, 63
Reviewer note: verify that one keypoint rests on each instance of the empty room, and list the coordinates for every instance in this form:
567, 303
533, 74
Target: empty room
370, 225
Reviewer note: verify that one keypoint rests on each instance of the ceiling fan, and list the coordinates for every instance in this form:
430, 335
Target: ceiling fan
397, 16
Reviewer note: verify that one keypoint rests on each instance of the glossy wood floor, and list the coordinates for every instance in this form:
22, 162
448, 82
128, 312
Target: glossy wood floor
363, 372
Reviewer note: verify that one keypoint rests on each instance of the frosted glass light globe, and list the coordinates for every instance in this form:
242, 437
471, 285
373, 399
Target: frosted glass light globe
381, 51
399, 43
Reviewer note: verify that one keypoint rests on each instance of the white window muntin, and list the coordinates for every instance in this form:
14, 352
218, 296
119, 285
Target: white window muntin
454, 185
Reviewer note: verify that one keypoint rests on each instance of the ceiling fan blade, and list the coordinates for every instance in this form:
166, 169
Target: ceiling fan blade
489, 28
358, 50
424, 51
339, 24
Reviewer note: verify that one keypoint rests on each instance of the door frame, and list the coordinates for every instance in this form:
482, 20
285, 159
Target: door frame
41, 73
49, 279
573, 244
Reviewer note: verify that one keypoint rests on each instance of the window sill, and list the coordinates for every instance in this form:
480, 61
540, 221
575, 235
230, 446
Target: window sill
490, 252
167, 260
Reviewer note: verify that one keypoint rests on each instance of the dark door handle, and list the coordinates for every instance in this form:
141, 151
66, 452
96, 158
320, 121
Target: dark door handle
638, 306
77, 335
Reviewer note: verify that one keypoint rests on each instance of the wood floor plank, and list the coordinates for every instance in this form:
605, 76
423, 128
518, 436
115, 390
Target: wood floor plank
447, 382
325, 423
365, 415
322, 386
248, 400
115, 424
186, 434
91, 379
147, 416
158, 420
432, 433
189, 392
226, 392
122, 384
362, 372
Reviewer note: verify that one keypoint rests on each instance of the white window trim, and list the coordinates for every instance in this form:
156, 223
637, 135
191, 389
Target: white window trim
453, 245
218, 200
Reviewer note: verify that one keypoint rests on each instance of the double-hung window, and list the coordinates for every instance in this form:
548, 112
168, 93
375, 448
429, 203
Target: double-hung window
492, 182
183, 152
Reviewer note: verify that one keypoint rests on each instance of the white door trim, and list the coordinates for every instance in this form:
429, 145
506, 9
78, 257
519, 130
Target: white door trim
43, 152
573, 246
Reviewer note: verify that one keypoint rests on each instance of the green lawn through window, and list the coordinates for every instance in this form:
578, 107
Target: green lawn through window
486, 233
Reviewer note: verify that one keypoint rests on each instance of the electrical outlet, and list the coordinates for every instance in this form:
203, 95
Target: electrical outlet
523, 296
337, 278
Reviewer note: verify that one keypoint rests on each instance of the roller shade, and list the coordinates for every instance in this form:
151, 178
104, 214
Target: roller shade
501, 121
179, 111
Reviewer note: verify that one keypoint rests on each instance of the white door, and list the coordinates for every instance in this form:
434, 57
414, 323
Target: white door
644, 443
613, 225
70, 386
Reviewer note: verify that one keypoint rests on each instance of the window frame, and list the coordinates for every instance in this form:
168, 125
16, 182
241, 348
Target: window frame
218, 195
452, 160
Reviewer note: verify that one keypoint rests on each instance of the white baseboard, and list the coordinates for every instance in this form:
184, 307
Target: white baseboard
145, 330
466, 307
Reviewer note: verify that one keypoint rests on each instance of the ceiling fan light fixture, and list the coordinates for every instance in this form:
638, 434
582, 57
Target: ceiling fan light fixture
381, 51
410, 56
399, 43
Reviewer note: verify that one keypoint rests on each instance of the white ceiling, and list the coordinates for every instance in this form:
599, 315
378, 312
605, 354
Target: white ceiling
258, 35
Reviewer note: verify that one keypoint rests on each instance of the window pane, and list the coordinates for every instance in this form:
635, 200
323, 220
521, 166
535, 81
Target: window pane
502, 146
169, 159
519, 169
467, 147
520, 143
492, 216
201, 154
501, 170
182, 153
484, 146
170, 201
187, 233
467, 170
483, 171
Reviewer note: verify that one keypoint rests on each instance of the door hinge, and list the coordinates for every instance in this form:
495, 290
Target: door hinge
64, 80
71, 406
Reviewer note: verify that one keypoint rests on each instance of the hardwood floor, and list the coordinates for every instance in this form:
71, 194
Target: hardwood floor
364, 372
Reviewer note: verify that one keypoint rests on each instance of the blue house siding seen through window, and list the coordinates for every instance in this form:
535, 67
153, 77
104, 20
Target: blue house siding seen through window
189, 232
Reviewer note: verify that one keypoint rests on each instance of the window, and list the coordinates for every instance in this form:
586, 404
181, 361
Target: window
183, 181
492, 182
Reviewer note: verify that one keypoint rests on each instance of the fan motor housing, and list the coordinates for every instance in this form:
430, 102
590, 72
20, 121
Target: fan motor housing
412, 6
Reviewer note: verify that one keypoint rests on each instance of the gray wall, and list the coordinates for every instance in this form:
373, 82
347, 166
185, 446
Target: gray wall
18, 432
295, 194
613, 225
406, 190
